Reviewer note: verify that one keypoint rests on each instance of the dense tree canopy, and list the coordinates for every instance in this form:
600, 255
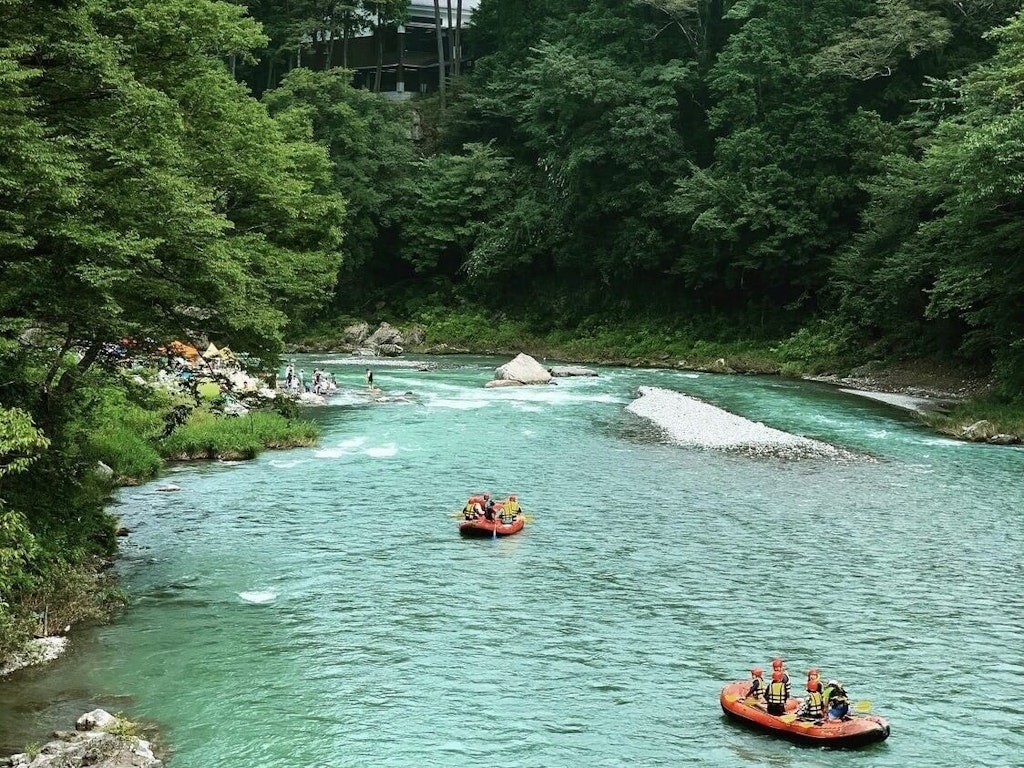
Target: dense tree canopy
847, 172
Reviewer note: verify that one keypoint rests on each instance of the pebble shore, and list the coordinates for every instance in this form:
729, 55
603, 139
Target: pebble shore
691, 422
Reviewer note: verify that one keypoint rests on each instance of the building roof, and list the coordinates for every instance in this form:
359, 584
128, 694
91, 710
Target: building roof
424, 9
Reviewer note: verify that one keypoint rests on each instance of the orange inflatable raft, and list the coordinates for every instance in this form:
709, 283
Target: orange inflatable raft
482, 528
856, 731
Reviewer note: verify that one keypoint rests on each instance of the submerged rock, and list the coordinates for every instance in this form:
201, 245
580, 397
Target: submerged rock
495, 383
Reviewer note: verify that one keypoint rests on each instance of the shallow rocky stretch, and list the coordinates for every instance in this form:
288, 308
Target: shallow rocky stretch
689, 421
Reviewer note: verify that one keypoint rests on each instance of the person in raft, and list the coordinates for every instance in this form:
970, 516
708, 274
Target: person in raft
813, 707
836, 702
757, 685
510, 509
814, 678
472, 509
778, 665
488, 507
775, 695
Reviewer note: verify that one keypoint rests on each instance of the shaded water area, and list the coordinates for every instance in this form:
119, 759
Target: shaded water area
317, 607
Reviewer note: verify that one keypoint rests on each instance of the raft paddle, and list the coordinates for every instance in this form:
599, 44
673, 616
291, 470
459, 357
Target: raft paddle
862, 706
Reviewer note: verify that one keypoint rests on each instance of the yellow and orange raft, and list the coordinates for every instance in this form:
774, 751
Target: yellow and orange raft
856, 731
482, 528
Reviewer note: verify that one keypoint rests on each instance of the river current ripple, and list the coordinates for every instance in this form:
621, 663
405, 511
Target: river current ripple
316, 607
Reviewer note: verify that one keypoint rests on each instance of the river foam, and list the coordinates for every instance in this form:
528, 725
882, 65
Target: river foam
258, 597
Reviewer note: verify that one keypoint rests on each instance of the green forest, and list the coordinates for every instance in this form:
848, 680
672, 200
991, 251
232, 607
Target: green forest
830, 183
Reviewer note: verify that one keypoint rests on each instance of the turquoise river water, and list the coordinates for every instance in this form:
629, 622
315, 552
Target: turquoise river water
316, 607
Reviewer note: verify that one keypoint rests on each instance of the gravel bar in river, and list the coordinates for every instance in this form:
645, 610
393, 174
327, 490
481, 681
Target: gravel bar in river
691, 422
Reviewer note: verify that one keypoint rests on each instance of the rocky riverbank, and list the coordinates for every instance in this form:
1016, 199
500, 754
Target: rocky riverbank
100, 740
39, 650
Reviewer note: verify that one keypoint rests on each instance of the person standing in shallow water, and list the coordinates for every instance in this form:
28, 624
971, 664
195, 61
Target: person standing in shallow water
369, 379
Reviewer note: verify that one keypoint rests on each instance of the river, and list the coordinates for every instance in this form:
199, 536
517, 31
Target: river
316, 607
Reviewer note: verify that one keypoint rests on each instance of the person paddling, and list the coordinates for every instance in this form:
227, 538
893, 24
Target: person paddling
813, 707
510, 509
776, 695
757, 686
778, 665
836, 702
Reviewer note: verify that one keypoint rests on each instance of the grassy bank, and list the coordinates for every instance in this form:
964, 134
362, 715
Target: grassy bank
54, 554
209, 436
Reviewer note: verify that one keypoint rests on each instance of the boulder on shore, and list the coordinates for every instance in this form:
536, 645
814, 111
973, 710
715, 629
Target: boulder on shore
571, 370
385, 334
355, 334
524, 370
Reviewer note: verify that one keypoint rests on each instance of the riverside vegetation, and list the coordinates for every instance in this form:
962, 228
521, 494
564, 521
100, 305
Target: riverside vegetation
784, 186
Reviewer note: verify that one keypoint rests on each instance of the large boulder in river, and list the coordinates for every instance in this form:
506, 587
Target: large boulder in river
524, 370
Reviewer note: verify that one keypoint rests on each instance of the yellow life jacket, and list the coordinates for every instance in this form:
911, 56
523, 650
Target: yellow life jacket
776, 692
511, 507
815, 704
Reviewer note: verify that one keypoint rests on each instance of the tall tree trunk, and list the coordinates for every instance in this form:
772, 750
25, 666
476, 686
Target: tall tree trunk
400, 73
458, 39
331, 31
344, 42
440, 52
450, 69
380, 53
